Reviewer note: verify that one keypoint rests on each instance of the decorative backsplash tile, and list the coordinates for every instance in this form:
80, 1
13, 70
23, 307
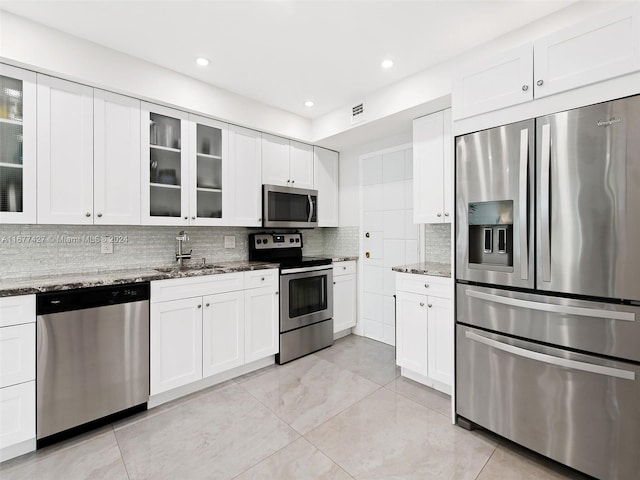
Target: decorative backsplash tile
437, 242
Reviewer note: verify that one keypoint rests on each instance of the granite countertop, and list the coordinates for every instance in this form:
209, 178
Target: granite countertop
426, 268
343, 258
52, 283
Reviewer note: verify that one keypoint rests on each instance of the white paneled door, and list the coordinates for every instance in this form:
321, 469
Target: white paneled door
389, 237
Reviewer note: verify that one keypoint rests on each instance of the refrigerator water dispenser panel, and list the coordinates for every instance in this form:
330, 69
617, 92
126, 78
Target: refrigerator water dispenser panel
491, 234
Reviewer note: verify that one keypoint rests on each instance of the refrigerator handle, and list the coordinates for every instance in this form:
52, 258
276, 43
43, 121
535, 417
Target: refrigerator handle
551, 359
523, 227
545, 203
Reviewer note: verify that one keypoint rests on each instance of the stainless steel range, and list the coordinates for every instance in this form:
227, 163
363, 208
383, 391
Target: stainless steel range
548, 285
306, 293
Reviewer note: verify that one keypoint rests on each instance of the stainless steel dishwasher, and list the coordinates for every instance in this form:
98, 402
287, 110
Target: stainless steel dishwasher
92, 357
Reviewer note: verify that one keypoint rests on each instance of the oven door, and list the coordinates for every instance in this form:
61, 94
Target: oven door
306, 296
286, 207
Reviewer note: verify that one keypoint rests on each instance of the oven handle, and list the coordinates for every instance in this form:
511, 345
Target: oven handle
548, 307
289, 271
552, 360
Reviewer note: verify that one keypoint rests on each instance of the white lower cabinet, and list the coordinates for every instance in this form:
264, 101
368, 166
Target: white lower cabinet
222, 332
231, 322
261, 323
344, 296
176, 343
17, 376
425, 331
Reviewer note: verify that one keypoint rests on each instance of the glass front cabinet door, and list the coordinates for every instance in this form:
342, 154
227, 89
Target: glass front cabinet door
164, 171
17, 145
208, 141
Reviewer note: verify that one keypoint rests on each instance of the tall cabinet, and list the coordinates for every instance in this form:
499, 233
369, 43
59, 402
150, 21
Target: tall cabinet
245, 178
17, 145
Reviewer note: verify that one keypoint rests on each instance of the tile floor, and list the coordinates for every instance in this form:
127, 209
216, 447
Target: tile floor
342, 413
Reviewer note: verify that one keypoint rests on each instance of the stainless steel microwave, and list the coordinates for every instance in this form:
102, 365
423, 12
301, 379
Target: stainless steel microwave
287, 207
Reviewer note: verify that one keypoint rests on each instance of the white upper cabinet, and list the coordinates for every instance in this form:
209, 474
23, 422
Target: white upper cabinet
594, 50
495, 83
116, 159
603, 47
326, 177
286, 163
244, 207
208, 172
164, 166
17, 145
65, 152
301, 165
433, 168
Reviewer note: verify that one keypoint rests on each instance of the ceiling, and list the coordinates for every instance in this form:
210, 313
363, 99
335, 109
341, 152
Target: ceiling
284, 52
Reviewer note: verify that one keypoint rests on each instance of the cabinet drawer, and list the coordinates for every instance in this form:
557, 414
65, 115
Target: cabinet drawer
177, 288
17, 354
425, 285
17, 414
261, 278
17, 310
344, 268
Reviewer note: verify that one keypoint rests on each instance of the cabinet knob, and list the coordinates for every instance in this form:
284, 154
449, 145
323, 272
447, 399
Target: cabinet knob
439, 215
193, 218
334, 283
207, 305
429, 305
99, 215
293, 181
525, 88
367, 234
426, 285
288, 181
260, 220
87, 214
344, 268
367, 254
422, 304
199, 306
186, 218
277, 293
539, 83
262, 279
446, 214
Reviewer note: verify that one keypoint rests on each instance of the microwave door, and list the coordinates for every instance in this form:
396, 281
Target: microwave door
289, 207
494, 211
588, 193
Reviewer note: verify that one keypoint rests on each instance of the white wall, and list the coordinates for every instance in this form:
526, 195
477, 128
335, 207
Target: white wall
429, 85
349, 174
33, 45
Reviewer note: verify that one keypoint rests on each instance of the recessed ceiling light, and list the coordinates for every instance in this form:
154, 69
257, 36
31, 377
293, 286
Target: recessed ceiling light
203, 62
309, 103
387, 63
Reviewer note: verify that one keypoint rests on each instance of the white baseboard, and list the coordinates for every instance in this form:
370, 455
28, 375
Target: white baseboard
429, 382
18, 449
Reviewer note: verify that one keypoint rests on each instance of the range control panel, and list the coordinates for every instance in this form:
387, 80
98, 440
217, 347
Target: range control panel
270, 241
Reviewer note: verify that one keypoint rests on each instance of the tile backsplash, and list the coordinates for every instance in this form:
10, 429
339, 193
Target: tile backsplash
437, 242
36, 250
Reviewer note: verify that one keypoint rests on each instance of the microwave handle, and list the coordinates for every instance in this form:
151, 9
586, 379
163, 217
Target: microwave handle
310, 208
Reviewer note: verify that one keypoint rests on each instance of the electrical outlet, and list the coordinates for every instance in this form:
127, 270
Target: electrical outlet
106, 244
229, 241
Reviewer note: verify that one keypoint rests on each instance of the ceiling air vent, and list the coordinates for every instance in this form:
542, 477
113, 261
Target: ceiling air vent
357, 113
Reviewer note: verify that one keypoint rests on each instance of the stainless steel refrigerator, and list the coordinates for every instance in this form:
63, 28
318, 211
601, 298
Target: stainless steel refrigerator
548, 285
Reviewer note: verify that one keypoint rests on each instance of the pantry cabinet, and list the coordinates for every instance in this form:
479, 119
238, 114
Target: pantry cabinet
433, 187
65, 152
425, 329
344, 296
286, 162
245, 176
326, 178
17, 375
597, 49
17, 145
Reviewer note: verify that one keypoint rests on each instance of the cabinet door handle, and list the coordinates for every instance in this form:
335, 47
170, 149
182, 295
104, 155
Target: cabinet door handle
99, 215
199, 306
525, 88
446, 214
207, 305
539, 83
426, 285
429, 305
288, 181
186, 218
292, 182
422, 304
439, 215
367, 234
87, 214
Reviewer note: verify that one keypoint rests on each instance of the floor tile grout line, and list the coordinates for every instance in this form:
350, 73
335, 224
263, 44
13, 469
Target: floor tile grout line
269, 456
124, 464
487, 462
328, 456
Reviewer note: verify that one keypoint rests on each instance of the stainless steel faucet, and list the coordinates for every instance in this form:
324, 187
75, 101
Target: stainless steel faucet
180, 256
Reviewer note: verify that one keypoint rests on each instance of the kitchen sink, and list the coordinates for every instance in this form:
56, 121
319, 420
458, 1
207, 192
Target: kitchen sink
187, 268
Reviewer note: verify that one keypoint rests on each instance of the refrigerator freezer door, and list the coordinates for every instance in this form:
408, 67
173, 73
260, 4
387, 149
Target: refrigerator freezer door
578, 409
588, 200
494, 203
597, 327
